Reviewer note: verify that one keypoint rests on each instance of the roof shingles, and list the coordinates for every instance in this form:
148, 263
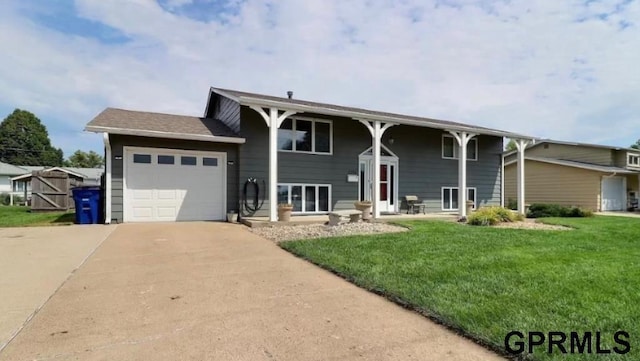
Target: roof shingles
443, 124
112, 118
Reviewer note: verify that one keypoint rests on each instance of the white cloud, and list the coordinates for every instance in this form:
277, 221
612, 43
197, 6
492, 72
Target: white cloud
173, 4
530, 67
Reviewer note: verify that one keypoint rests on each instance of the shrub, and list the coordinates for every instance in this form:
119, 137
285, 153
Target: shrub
512, 204
489, 216
504, 215
5, 199
483, 217
539, 210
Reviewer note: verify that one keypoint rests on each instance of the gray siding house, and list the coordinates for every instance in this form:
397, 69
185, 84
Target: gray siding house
250, 152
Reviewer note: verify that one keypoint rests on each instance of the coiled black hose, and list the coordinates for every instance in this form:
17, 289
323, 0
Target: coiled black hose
256, 201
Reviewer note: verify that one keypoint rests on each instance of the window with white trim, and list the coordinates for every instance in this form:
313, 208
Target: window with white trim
305, 135
19, 186
450, 148
306, 198
633, 160
450, 198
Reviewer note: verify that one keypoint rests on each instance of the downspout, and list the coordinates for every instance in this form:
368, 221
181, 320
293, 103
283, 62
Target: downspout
502, 181
107, 179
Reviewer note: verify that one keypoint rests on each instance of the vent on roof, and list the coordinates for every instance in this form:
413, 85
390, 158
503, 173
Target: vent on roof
290, 94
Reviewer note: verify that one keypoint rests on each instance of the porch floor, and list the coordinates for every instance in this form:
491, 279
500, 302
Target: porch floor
323, 218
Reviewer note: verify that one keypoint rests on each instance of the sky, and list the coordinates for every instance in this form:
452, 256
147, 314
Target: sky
566, 70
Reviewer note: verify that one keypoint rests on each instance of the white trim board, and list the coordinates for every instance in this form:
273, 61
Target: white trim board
574, 164
167, 135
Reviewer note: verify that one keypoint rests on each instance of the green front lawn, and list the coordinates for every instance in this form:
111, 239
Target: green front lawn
22, 217
486, 282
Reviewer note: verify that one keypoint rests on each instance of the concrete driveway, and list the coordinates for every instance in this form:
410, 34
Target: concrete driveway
214, 291
34, 262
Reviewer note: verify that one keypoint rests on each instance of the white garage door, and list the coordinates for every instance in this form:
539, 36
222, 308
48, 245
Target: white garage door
613, 193
173, 185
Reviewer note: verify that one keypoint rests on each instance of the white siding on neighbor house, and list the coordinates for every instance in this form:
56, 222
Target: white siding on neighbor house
5, 183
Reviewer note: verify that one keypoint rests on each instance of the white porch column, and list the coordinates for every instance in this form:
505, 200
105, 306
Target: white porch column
274, 119
107, 178
463, 139
521, 144
377, 129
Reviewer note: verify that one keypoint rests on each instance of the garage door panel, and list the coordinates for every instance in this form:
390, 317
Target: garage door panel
143, 212
166, 212
142, 194
169, 192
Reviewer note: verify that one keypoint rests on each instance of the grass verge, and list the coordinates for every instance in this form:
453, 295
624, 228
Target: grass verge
23, 217
485, 282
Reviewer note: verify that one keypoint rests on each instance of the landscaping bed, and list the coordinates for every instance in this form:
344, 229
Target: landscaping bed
485, 282
308, 231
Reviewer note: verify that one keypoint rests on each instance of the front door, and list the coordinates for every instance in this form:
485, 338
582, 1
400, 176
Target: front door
387, 186
388, 182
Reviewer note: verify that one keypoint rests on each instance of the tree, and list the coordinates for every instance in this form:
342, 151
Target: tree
636, 145
511, 145
82, 159
24, 140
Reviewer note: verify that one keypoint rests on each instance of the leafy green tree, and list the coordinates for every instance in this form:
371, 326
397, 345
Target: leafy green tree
511, 145
82, 159
636, 145
24, 140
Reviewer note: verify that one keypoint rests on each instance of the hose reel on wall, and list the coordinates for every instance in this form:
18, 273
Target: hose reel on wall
253, 198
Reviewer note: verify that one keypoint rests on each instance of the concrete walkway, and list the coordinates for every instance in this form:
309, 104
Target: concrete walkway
214, 291
34, 262
620, 214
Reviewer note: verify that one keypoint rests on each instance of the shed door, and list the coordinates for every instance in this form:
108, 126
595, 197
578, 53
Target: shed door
173, 185
613, 194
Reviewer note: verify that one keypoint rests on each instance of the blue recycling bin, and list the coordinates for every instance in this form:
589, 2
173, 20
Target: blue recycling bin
88, 204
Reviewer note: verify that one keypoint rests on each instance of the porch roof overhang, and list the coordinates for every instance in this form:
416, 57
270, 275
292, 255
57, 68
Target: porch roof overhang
285, 104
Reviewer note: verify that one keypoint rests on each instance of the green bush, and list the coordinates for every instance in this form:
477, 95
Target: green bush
5, 199
512, 204
540, 210
489, 216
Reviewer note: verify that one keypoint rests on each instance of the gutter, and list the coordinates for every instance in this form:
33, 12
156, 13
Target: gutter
160, 134
502, 182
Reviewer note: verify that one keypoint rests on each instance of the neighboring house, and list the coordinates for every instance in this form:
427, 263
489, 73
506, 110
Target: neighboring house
8, 171
319, 157
91, 176
597, 177
22, 182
